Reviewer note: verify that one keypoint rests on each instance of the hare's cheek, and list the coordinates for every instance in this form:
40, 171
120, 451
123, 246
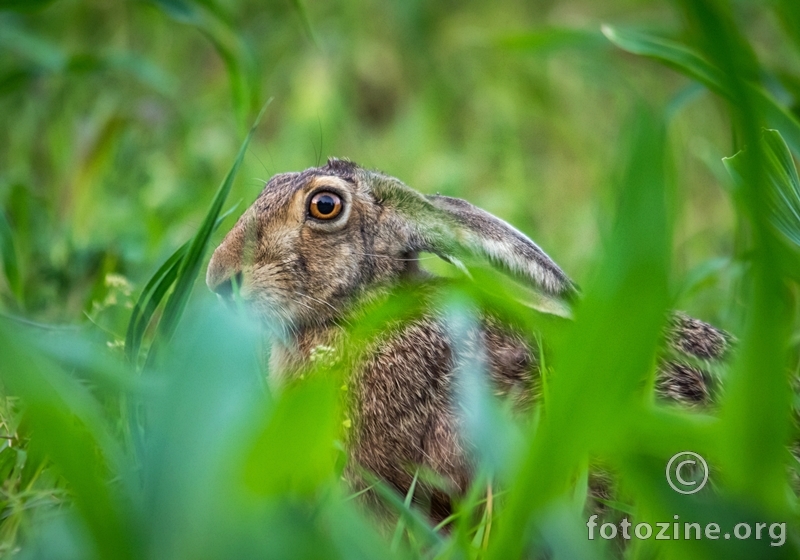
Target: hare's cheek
271, 302
265, 282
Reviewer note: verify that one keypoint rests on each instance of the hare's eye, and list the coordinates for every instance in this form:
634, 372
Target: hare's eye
325, 205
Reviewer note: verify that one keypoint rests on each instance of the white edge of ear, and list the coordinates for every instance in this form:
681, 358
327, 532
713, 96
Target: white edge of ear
503, 252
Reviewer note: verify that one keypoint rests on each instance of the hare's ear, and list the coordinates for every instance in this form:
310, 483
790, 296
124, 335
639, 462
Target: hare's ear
453, 228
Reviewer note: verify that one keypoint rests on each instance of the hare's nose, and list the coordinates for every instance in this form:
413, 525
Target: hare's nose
225, 266
224, 286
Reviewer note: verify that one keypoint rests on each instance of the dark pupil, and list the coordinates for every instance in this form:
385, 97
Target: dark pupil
326, 205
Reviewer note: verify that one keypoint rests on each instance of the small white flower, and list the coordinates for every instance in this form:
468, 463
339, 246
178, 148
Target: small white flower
322, 352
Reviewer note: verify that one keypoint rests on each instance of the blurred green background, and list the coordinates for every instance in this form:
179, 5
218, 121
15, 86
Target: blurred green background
120, 119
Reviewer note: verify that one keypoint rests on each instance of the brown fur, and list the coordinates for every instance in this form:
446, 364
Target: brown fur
306, 275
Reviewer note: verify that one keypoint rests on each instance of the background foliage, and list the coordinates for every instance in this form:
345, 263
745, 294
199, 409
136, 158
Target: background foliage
604, 144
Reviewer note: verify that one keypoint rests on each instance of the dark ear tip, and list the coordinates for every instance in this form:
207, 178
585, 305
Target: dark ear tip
567, 290
572, 293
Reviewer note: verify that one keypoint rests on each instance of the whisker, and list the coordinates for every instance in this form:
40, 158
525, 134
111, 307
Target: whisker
394, 258
323, 303
316, 299
250, 150
303, 304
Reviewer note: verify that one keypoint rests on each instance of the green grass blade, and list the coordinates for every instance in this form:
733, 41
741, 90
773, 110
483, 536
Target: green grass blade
756, 411
24, 5
413, 518
784, 184
690, 63
489, 431
788, 12
43, 56
551, 39
190, 264
31, 47
152, 294
67, 425
230, 46
671, 53
609, 351
756, 407
8, 254
785, 193
302, 13
293, 452
148, 301
401, 522
179, 10
211, 394
237, 60
138, 67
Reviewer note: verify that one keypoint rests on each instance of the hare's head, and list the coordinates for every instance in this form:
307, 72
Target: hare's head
314, 241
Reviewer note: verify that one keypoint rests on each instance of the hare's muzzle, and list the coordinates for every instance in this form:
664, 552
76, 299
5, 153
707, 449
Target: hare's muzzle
224, 287
223, 274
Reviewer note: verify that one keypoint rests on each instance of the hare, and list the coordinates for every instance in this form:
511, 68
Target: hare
317, 242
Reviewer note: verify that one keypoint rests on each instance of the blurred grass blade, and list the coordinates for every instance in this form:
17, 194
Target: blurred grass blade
784, 185
45, 57
155, 290
190, 264
551, 39
688, 62
302, 13
235, 53
294, 453
68, 427
15, 79
198, 430
31, 47
353, 535
755, 411
24, 5
490, 433
222, 12
788, 12
704, 274
179, 10
8, 254
132, 64
601, 365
